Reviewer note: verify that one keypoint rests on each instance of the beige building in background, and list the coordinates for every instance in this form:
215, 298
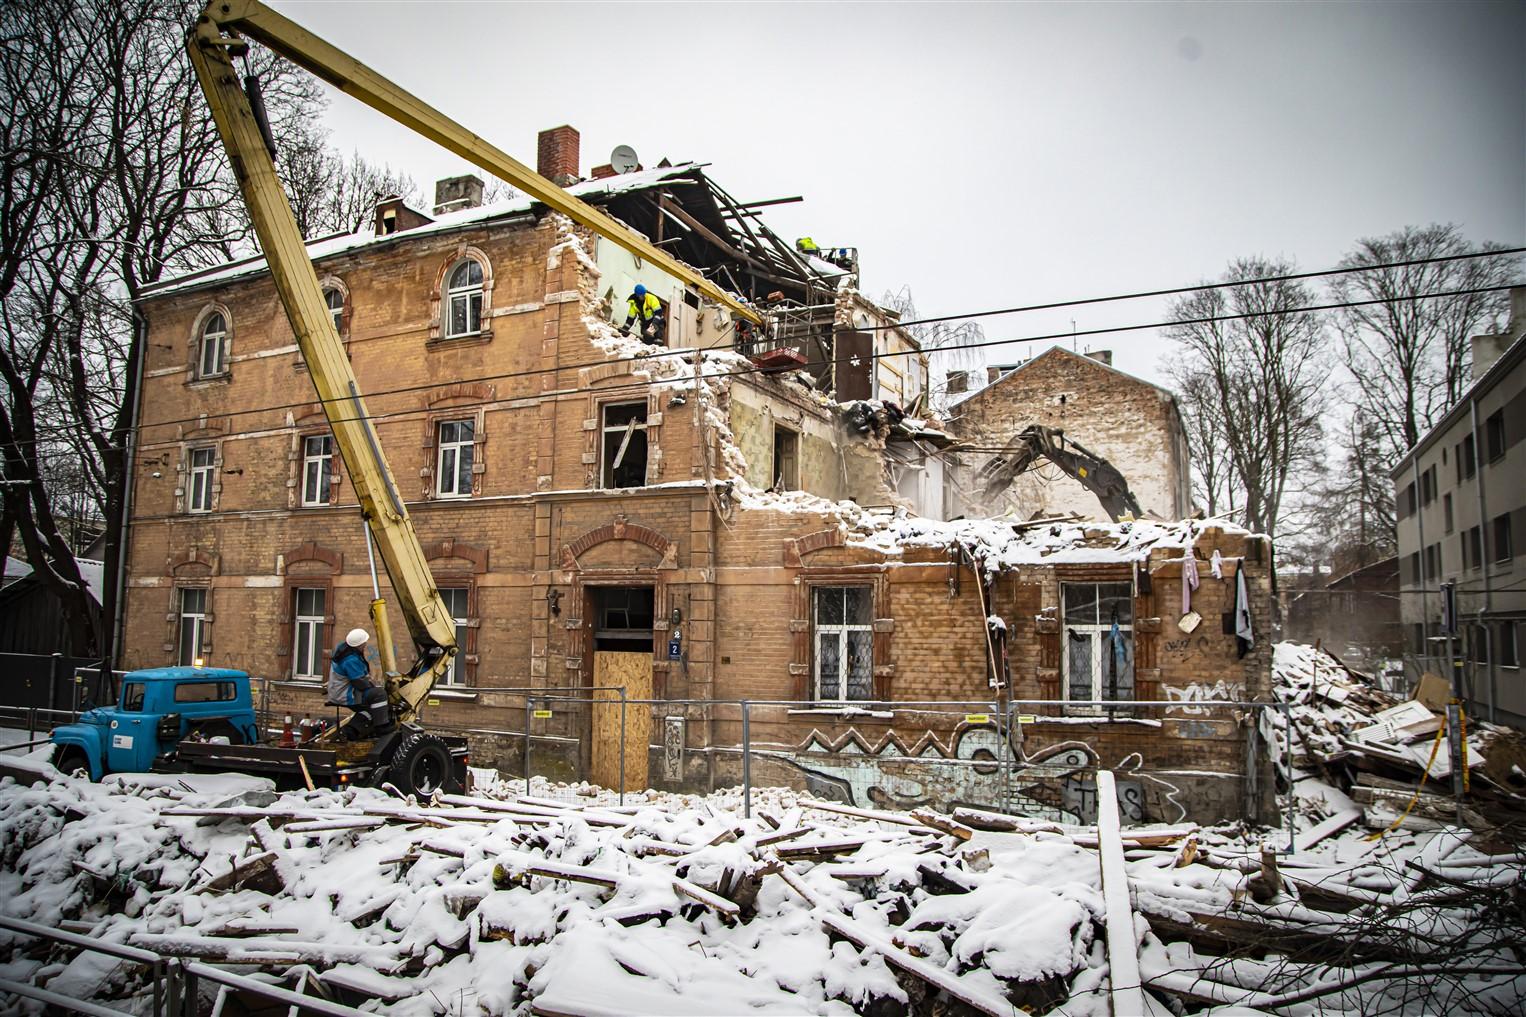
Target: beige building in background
1461, 505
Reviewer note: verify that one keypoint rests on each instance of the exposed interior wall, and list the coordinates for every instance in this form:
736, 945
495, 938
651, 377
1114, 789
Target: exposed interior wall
690, 322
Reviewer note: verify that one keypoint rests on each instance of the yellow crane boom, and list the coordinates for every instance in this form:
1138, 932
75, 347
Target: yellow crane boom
220, 34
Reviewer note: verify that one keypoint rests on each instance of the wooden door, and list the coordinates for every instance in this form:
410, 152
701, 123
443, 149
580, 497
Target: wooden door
634, 671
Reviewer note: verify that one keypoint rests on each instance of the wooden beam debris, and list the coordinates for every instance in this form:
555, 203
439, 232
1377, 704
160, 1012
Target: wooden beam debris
1122, 940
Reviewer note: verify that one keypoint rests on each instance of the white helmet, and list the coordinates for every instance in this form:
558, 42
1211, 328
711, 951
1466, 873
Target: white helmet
357, 637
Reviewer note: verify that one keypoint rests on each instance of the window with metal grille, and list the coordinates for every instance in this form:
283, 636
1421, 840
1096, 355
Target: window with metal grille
193, 626
463, 314
844, 634
203, 469
623, 446
317, 466
307, 655
453, 474
212, 348
1098, 621
456, 603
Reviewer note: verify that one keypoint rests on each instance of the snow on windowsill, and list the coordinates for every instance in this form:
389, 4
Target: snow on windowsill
842, 711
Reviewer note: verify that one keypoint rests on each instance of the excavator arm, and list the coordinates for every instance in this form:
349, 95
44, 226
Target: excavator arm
1095, 473
220, 34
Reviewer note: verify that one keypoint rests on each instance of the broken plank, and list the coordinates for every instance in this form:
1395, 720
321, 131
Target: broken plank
1329, 828
256, 950
714, 901
1122, 940
818, 850
257, 872
942, 824
939, 978
329, 825
998, 822
899, 819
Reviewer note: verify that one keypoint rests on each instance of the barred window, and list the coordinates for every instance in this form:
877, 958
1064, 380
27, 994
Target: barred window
844, 635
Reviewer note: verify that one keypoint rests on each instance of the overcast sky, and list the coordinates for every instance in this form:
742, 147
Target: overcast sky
996, 155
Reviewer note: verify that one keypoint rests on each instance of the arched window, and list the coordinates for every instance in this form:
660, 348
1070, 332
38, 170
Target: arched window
463, 314
212, 348
335, 301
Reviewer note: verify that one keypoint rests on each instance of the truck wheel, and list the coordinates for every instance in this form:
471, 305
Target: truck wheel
71, 760
420, 764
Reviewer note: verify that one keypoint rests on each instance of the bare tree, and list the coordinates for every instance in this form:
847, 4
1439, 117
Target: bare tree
1409, 358
1259, 354
112, 175
332, 194
1214, 486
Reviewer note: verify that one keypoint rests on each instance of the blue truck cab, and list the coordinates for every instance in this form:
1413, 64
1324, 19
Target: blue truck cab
158, 709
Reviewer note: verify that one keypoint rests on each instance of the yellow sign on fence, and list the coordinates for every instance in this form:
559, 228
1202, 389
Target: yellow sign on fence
977, 718
542, 714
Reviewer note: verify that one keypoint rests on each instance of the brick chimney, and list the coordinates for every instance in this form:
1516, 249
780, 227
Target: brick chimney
992, 373
455, 193
556, 155
392, 215
1104, 356
958, 381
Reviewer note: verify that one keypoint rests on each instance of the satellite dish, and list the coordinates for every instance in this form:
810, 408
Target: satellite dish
623, 159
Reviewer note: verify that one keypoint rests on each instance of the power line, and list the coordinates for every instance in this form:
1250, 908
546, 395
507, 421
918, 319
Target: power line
1201, 288
414, 412
531, 372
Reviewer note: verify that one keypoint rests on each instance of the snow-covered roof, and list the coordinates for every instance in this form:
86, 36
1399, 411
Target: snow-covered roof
92, 571
341, 243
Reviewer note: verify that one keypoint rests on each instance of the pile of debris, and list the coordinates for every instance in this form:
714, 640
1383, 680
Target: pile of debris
1391, 756
561, 901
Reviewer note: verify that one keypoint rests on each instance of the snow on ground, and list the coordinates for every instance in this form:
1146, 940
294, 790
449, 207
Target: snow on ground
568, 902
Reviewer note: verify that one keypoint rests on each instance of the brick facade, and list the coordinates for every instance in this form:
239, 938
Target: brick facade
536, 540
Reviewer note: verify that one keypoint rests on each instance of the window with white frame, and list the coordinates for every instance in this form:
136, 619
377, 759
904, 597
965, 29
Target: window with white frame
193, 626
203, 470
335, 301
212, 347
623, 445
463, 300
456, 603
453, 466
317, 469
1098, 625
844, 638
308, 619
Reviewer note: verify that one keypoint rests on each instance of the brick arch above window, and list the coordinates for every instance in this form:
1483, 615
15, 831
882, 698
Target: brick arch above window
795, 549
193, 563
474, 391
314, 556
193, 341
450, 548
437, 309
620, 529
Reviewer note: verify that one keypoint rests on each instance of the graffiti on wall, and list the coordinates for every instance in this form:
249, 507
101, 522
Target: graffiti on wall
972, 768
1188, 699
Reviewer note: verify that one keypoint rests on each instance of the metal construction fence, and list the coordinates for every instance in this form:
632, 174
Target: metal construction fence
1175, 760
1198, 760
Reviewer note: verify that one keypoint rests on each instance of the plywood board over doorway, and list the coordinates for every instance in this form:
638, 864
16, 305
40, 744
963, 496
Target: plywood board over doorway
634, 672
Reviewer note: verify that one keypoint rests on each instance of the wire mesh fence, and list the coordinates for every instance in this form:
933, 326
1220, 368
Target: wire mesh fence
1177, 760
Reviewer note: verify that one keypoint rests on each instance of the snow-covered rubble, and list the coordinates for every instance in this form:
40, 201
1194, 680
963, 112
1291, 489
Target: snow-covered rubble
565, 901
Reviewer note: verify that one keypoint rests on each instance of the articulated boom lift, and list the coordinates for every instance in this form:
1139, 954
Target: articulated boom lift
220, 35
1036, 442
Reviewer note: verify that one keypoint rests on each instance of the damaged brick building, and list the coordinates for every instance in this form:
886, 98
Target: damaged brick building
741, 514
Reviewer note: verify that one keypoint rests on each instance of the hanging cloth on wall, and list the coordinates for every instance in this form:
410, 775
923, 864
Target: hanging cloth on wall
1217, 564
1189, 580
1245, 638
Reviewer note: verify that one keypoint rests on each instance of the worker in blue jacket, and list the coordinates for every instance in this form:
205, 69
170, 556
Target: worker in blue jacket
350, 680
